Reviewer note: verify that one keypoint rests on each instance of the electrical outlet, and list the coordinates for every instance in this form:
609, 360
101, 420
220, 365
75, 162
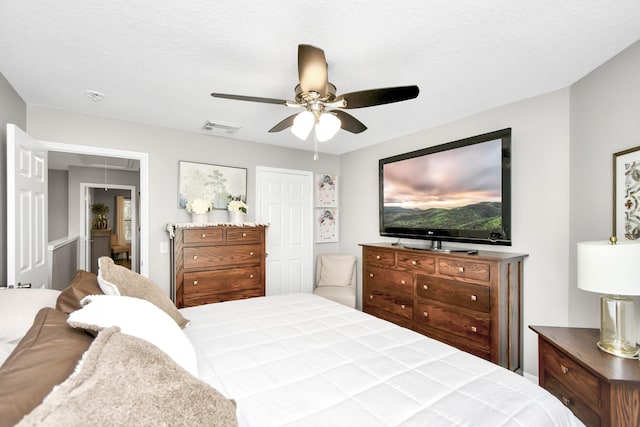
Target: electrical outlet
164, 247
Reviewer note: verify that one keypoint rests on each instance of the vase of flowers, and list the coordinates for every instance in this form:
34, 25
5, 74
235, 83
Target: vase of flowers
237, 210
199, 210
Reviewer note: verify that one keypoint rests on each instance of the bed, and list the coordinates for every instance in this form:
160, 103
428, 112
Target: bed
287, 360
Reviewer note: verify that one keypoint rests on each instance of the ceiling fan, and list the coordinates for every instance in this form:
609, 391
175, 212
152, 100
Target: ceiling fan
317, 96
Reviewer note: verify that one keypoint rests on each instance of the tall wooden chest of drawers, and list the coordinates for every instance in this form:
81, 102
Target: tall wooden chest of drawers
217, 263
472, 302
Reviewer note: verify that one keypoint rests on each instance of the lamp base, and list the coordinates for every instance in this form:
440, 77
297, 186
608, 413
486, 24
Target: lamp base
617, 326
627, 354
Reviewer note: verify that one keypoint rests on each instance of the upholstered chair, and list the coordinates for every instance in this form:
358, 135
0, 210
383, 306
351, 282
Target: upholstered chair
336, 278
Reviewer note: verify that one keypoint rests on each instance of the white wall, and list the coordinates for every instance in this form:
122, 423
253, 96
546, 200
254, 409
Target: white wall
165, 148
540, 199
605, 119
12, 110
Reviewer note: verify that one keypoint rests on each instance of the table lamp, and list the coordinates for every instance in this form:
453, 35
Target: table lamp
611, 268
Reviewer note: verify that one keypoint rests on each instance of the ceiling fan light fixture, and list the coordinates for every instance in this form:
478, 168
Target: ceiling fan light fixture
302, 124
327, 127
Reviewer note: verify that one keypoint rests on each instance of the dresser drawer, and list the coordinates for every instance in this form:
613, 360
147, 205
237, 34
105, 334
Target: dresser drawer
382, 258
572, 400
398, 305
465, 269
571, 375
412, 262
233, 279
476, 297
475, 328
195, 299
202, 235
385, 279
221, 285
220, 256
243, 235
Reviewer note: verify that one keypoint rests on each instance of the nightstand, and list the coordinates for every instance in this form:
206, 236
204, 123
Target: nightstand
600, 389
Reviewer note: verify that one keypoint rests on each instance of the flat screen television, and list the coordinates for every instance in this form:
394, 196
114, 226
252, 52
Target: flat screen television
456, 192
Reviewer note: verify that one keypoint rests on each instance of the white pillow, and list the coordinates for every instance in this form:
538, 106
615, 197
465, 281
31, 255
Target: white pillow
138, 318
18, 309
106, 287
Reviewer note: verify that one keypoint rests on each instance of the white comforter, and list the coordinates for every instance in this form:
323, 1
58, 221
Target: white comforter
300, 359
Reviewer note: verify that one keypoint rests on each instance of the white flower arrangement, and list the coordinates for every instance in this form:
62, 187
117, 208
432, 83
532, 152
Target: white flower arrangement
199, 206
237, 206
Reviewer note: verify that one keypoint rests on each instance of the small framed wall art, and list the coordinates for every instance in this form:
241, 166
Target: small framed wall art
218, 184
326, 190
326, 225
626, 194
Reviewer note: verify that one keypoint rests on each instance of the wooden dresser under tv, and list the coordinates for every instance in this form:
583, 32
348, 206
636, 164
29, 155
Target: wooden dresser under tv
470, 301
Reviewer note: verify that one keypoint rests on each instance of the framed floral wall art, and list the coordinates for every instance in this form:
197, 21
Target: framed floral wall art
218, 184
626, 194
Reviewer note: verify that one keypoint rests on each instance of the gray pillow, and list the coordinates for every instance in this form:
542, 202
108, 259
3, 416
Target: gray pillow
123, 381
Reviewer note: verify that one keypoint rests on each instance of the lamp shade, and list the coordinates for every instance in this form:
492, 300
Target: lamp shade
302, 124
609, 268
328, 125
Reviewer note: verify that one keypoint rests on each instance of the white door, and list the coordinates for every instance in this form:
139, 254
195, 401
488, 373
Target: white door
285, 201
27, 209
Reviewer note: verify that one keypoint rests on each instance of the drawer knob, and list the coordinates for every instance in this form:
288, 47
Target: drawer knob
414, 262
370, 274
203, 235
378, 257
244, 234
251, 253
565, 370
402, 282
402, 306
566, 401
474, 329
195, 282
461, 269
425, 314
195, 257
425, 287
370, 296
251, 276
474, 298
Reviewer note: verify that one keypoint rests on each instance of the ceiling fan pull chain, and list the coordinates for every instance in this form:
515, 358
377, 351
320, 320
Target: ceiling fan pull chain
315, 145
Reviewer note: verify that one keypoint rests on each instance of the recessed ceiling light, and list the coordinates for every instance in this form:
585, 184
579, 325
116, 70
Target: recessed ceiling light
94, 95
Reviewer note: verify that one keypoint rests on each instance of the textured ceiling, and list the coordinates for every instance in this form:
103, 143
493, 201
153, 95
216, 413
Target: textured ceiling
158, 61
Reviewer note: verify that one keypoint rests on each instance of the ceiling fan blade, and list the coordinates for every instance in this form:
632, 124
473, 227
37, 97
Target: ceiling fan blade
288, 122
312, 69
369, 98
349, 123
250, 98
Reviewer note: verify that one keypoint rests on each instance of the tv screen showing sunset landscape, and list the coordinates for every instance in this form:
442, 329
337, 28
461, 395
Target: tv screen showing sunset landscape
455, 189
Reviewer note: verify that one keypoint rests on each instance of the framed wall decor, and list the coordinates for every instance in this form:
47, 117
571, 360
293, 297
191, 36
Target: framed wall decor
626, 194
220, 184
326, 225
326, 190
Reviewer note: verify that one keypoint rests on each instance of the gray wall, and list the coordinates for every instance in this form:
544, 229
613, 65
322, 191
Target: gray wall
58, 212
12, 110
605, 119
165, 148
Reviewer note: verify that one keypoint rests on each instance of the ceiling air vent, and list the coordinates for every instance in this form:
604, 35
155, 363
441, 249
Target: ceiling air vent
210, 126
